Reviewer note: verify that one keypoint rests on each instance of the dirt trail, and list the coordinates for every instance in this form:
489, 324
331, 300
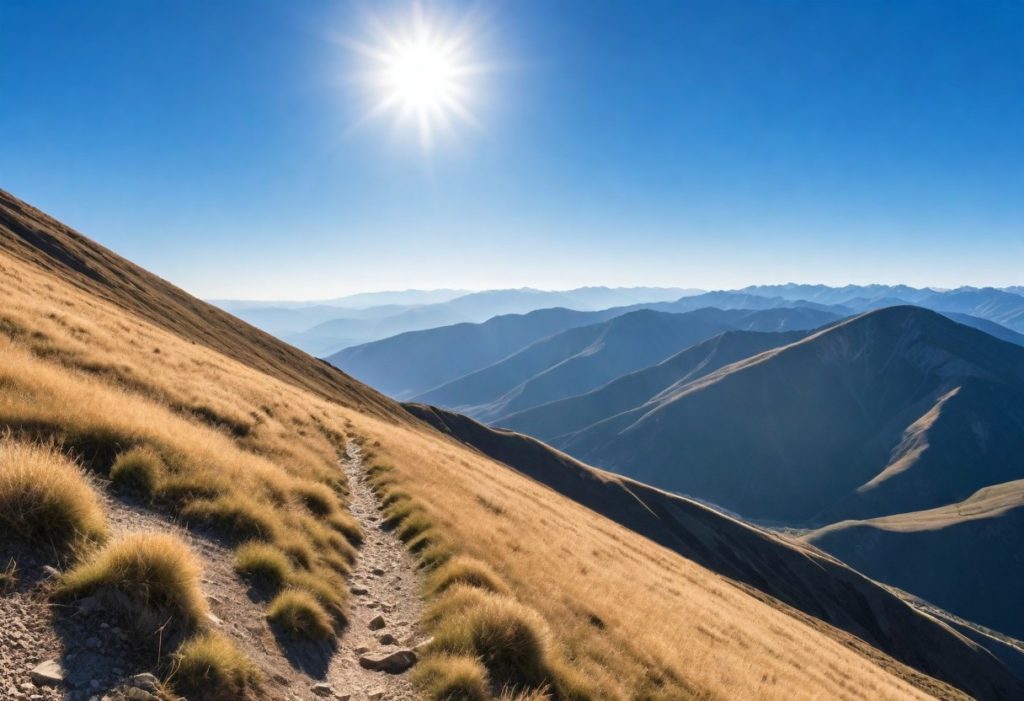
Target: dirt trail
97, 655
385, 582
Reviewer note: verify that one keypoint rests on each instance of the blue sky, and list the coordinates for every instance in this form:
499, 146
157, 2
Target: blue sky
701, 144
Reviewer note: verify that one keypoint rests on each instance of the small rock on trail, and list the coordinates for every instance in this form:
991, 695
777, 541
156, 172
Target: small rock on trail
393, 663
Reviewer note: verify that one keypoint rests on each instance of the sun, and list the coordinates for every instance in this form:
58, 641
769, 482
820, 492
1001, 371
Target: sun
422, 76
421, 73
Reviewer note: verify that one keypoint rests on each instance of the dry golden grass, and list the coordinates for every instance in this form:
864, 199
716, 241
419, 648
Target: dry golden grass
263, 564
150, 579
453, 678
300, 614
635, 620
221, 445
139, 469
465, 570
211, 668
45, 498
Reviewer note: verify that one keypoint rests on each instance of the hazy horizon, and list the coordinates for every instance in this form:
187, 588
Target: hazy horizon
688, 290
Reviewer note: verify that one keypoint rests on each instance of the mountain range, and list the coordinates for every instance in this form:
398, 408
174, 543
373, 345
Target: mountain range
581, 359
325, 327
322, 328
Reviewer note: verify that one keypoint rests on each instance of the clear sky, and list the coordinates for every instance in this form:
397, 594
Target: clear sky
703, 144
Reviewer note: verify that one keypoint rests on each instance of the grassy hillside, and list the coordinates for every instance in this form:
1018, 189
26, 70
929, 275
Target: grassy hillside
795, 576
964, 557
179, 419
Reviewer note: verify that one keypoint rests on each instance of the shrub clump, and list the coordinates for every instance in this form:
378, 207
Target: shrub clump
468, 571
150, 578
138, 469
263, 564
211, 668
45, 498
452, 678
298, 613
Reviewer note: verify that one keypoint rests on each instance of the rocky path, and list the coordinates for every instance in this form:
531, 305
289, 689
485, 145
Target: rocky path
96, 657
386, 603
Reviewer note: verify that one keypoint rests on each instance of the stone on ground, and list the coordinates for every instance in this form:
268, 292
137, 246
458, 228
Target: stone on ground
392, 662
47, 673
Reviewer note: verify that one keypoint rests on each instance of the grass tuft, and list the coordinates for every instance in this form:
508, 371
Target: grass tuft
298, 613
452, 678
467, 571
412, 525
209, 667
45, 499
237, 516
263, 564
151, 579
138, 470
329, 593
347, 526
510, 639
316, 497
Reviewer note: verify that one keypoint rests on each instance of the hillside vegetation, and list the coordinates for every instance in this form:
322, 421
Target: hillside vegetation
180, 416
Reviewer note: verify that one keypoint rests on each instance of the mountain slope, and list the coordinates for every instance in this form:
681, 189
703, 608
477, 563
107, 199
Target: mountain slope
555, 419
797, 576
31, 236
581, 359
964, 557
798, 434
990, 327
575, 360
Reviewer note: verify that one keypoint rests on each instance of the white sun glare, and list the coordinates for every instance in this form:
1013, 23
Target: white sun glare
421, 74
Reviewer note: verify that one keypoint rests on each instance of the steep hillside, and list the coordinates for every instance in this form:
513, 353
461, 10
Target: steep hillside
990, 327
835, 425
579, 360
264, 496
555, 419
28, 235
799, 577
964, 557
